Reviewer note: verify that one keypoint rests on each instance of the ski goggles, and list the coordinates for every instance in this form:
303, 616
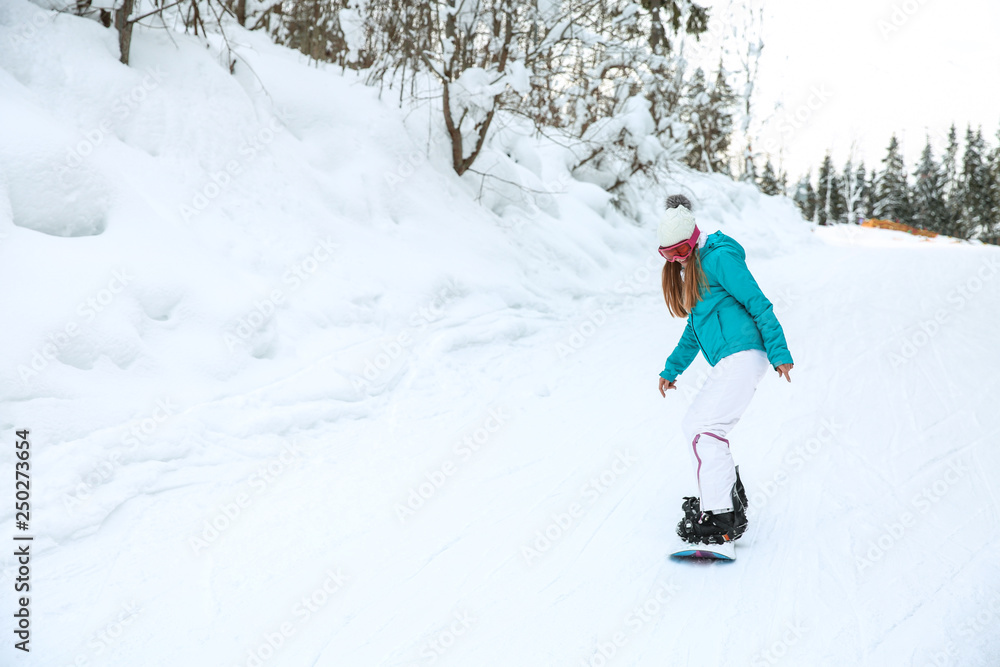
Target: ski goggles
682, 250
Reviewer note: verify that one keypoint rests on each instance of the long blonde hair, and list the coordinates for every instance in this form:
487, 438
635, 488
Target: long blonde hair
682, 292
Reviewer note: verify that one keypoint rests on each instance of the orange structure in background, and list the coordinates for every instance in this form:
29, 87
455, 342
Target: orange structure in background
898, 226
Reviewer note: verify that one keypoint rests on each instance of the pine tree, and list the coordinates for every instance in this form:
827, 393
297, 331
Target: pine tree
836, 203
870, 191
805, 197
929, 211
769, 183
992, 234
696, 24
974, 185
830, 204
949, 185
711, 120
949, 170
697, 117
863, 208
892, 200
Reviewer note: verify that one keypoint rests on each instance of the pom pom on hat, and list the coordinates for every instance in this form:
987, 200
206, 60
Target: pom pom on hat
676, 225
673, 201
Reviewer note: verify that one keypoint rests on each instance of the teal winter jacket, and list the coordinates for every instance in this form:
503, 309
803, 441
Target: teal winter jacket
733, 314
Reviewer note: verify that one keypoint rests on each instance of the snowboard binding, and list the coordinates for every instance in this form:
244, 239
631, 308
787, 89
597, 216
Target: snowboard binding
711, 528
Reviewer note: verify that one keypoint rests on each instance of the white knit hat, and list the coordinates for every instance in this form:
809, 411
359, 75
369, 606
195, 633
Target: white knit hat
676, 225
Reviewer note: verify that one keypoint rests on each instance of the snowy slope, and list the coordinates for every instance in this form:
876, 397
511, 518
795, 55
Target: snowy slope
296, 397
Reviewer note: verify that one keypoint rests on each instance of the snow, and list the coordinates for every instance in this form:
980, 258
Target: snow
298, 395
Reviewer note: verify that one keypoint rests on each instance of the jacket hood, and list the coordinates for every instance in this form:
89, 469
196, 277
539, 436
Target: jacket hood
719, 241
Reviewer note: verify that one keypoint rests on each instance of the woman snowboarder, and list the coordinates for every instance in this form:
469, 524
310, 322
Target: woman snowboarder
729, 319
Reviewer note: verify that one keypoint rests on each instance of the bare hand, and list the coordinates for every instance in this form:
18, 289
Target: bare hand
783, 370
666, 385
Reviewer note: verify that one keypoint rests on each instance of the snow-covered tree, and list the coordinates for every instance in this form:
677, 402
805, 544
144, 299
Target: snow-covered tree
257, 14
853, 186
836, 203
476, 52
975, 206
607, 76
769, 182
891, 200
830, 204
929, 210
681, 15
949, 184
710, 116
992, 233
314, 28
863, 179
805, 197
870, 192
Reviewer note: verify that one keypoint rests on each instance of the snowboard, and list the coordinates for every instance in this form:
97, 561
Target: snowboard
725, 551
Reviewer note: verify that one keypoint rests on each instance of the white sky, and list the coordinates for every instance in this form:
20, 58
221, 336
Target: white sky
868, 77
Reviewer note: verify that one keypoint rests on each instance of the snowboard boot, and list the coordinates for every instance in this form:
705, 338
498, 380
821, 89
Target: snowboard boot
692, 510
740, 505
710, 528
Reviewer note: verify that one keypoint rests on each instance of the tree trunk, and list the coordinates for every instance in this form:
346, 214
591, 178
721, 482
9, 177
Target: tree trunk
657, 35
124, 28
461, 163
454, 133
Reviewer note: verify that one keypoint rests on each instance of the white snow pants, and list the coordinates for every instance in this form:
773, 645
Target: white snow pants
713, 413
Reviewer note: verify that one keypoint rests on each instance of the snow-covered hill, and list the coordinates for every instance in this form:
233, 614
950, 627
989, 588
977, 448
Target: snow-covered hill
298, 395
